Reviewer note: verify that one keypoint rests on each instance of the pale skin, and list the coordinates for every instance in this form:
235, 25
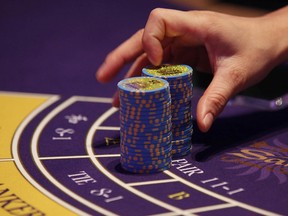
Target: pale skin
238, 51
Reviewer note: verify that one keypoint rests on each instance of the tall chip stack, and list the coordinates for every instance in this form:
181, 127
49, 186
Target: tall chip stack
145, 124
179, 78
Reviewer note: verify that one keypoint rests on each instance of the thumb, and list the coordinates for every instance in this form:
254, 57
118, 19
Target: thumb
214, 99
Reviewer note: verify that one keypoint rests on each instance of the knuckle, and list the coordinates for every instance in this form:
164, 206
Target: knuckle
139, 33
205, 17
237, 79
156, 13
219, 101
145, 40
110, 57
114, 58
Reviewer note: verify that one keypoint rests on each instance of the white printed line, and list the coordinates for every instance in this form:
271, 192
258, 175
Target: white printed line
19, 164
166, 214
64, 157
6, 159
108, 128
107, 155
34, 149
221, 197
93, 99
24, 94
152, 182
211, 208
197, 210
89, 149
77, 157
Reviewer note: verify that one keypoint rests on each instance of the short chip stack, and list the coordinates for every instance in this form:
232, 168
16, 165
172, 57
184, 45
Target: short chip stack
179, 78
145, 124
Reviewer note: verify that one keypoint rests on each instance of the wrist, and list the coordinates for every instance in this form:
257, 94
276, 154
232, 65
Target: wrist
276, 28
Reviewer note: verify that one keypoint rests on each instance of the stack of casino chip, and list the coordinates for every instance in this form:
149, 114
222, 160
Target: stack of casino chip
145, 124
181, 90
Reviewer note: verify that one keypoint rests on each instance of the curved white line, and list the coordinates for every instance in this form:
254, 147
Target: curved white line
90, 135
16, 157
36, 158
220, 197
89, 150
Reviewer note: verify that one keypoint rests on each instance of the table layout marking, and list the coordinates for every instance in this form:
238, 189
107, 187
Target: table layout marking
39, 164
20, 166
108, 128
220, 197
6, 159
107, 155
91, 99
89, 149
211, 208
152, 182
63, 157
93, 157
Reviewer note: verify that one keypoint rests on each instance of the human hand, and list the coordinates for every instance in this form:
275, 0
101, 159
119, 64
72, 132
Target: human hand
238, 51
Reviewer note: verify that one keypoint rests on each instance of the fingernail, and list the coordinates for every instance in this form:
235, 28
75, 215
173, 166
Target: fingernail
208, 120
115, 101
99, 73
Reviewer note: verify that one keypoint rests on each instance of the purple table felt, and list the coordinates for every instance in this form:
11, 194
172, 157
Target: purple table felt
68, 148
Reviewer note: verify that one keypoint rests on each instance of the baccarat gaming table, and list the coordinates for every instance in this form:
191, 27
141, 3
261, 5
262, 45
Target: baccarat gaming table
59, 134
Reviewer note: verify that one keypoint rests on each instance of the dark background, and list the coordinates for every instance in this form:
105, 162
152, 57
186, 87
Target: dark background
56, 46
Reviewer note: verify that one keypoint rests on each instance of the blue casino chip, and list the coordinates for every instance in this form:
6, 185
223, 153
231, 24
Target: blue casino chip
179, 78
155, 118
141, 86
145, 124
174, 73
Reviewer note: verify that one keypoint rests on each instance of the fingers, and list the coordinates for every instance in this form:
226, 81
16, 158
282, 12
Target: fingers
137, 66
166, 26
116, 101
135, 70
163, 28
123, 54
223, 86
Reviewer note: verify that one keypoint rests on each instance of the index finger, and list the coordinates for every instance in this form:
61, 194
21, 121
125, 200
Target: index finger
125, 53
166, 26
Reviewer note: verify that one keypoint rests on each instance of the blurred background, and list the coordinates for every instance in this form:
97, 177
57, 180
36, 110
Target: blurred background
56, 46
276, 84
